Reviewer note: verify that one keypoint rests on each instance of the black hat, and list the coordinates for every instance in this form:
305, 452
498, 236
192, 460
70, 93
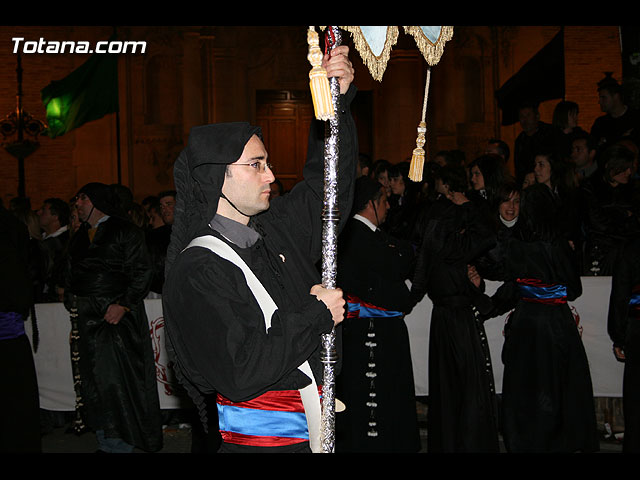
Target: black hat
102, 197
365, 190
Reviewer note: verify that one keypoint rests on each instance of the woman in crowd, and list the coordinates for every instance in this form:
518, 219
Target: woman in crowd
403, 202
380, 172
462, 402
487, 174
547, 397
490, 266
559, 177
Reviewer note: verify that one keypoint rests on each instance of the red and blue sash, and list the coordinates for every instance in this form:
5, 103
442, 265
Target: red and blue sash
634, 301
533, 290
273, 419
357, 308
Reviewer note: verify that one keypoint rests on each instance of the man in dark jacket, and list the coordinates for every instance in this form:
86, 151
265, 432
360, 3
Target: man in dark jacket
109, 276
244, 311
53, 217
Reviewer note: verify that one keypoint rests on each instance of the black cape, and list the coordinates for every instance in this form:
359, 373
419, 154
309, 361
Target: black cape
116, 362
623, 325
462, 413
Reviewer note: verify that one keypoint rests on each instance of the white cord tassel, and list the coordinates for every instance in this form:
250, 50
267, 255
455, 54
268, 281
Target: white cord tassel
417, 159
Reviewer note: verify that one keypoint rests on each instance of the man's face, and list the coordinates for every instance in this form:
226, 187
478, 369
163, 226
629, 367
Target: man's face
248, 183
84, 207
605, 99
167, 206
528, 119
382, 206
580, 154
45, 218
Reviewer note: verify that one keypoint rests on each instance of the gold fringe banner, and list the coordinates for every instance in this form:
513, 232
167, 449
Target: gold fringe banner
376, 64
430, 51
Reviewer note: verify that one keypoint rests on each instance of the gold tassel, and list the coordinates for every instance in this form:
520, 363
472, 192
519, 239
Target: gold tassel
417, 159
319, 83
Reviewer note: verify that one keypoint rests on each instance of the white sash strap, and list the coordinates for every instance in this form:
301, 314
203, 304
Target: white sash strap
309, 394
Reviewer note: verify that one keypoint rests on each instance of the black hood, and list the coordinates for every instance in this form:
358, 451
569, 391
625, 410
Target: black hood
199, 176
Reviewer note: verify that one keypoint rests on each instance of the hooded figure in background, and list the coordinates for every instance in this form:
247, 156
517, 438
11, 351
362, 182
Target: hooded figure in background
108, 276
243, 308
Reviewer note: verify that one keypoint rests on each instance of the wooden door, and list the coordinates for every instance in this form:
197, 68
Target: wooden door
284, 117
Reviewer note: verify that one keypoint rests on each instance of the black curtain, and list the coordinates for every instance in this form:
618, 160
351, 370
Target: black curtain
540, 79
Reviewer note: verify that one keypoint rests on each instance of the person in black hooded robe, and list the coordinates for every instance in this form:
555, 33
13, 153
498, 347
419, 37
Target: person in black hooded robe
376, 378
623, 326
462, 401
255, 344
547, 397
108, 276
19, 401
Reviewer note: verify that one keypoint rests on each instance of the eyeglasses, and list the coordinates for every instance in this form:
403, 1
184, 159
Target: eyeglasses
259, 167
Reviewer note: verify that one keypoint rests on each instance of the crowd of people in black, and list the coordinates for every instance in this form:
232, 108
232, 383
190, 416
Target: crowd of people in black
569, 210
57, 254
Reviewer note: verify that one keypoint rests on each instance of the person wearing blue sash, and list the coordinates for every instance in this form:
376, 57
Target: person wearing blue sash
243, 303
376, 379
19, 401
547, 397
623, 325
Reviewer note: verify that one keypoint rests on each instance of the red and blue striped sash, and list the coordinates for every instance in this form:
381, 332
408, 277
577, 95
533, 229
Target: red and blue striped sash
357, 308
533, 290
273, 419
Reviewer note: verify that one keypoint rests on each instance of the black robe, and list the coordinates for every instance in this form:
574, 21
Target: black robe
462, 401
609, 221
116, 362
19, 401
56, 253
157, 244
214, 324
547, 397
373, 267
623, 325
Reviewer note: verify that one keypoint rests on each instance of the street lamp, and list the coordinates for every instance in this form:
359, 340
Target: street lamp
20, 133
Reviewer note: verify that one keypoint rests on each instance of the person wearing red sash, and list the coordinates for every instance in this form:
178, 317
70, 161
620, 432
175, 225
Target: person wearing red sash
547, 397
243, 305
376, 379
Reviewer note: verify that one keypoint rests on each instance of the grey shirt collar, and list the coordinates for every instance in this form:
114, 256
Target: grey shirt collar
237, 233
